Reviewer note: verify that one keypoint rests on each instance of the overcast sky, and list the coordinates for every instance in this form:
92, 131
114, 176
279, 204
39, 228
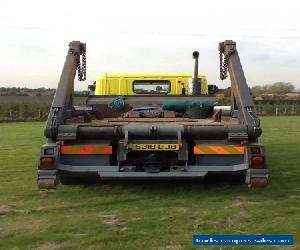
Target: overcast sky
148, 36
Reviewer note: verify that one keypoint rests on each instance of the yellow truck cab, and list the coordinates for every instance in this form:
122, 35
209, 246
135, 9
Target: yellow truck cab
147, 84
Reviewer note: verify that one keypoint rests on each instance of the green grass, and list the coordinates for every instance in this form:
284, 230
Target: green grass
152, 215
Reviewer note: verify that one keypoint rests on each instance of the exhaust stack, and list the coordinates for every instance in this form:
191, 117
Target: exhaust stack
196, 82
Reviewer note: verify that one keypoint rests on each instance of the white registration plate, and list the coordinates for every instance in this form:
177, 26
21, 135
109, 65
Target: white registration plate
155, 147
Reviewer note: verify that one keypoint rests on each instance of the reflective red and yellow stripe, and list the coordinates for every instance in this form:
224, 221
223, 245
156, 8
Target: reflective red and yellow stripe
219, 150
86, 150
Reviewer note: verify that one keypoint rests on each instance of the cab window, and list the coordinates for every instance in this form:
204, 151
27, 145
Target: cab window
151, 86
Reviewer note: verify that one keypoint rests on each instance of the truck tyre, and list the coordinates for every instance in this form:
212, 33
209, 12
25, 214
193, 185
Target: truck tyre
76, 180
70, 180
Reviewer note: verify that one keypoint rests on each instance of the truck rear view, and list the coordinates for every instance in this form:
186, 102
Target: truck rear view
155, 132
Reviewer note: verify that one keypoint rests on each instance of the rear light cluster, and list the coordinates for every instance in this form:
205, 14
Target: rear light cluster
257, 159
47, 160
256, 150
257, 162
47, 163
49, 151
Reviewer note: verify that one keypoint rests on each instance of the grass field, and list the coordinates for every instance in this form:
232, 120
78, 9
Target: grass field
152, 215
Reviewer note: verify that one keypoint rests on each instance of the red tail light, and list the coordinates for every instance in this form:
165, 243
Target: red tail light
255, 150
47, 163
257, 162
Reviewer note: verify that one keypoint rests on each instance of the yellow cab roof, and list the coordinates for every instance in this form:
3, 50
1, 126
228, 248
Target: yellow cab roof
147, 75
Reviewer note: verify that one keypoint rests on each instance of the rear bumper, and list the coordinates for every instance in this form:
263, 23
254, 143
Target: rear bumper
113, 172
50, 178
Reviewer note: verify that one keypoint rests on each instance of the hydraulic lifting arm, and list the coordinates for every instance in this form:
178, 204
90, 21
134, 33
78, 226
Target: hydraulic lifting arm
62, 105
242, 104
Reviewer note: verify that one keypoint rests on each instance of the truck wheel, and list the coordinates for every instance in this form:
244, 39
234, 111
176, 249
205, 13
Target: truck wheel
47, 184
76, 180
70, 180
236, 179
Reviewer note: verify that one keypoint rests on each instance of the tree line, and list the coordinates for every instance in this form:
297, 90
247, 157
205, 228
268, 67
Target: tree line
23, 91
275, 88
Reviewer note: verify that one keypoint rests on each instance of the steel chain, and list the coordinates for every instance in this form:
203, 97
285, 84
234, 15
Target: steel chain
224, 62
81, 66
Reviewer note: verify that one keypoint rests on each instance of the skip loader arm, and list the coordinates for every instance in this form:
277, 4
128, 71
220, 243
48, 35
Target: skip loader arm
62, 104
241, 100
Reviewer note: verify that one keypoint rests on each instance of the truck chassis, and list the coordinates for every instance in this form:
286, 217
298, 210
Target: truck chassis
81, 141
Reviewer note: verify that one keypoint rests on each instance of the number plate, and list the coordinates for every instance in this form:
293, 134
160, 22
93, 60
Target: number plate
155, 147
